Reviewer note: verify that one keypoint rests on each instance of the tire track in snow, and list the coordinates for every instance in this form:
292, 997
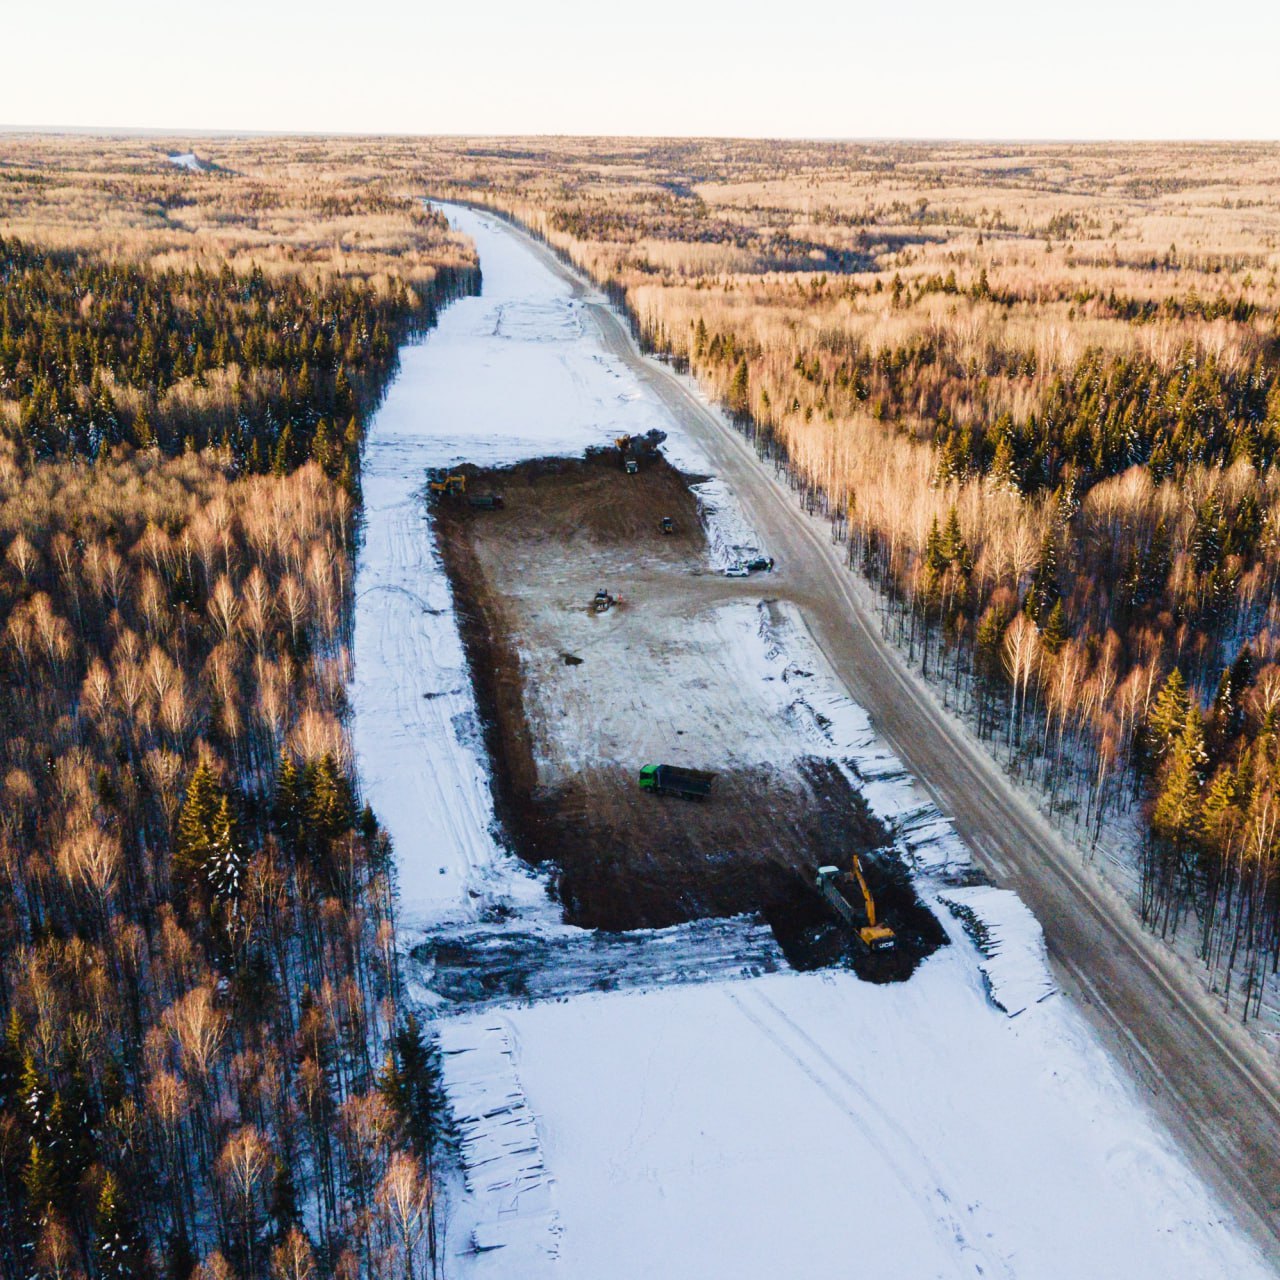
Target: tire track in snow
867, 1116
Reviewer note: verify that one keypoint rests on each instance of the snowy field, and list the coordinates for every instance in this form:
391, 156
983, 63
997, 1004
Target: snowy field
815, 1125
510, 375
743, 1126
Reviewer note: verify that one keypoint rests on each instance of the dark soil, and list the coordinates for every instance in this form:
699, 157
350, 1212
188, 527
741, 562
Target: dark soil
626, 859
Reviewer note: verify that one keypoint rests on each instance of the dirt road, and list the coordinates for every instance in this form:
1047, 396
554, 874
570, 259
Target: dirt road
1201, 1074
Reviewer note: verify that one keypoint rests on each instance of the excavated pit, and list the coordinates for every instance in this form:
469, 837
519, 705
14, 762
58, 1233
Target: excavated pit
573, 702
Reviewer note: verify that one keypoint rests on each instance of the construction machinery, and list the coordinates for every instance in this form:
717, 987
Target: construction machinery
603, 601
629, 462
442, 483
673, 780
486, 501
843, 890
668, 525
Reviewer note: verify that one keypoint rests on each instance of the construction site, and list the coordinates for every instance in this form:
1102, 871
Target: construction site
644, 747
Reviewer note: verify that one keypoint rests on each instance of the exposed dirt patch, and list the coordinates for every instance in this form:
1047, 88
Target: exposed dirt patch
575, 701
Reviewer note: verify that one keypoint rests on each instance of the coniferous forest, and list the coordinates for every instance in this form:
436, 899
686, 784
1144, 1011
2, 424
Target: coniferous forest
205, 1067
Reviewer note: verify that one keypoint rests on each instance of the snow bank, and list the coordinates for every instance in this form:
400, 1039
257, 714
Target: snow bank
416, 729
187, 160
512, 1195
922, 834
730, 538
1011, 941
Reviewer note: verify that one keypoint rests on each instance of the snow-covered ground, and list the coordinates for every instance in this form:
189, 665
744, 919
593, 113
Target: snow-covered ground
744, 1126
815, 1125
513, 374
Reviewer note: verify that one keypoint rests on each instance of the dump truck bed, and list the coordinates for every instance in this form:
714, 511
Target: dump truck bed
673, 775
842, 892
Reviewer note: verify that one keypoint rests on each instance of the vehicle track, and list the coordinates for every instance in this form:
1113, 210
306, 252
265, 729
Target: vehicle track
1198, 1071
880, 1130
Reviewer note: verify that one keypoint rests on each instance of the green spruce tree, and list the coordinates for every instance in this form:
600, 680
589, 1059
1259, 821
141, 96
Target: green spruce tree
117, 1245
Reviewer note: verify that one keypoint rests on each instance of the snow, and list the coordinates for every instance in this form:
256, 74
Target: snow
187, 160
922, 834
813, 1124
705, 1116
513, 374
731, 538
1011, 941
513, 1195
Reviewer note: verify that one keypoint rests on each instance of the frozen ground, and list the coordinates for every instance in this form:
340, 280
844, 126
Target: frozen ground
764, 1126
504, 965
815, 1125
509, 375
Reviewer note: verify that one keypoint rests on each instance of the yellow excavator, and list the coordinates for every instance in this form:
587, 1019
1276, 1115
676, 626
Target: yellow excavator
443, 482
841, 889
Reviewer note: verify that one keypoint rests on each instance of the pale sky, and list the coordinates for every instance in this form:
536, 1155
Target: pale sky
912, 68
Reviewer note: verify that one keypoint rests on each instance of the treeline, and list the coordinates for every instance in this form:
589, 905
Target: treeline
1086, 576
205, 1066
198, 980
1117, 540
1094, 419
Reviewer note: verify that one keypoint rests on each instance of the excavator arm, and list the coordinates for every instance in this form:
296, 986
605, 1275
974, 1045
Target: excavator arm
867, 900
876, 936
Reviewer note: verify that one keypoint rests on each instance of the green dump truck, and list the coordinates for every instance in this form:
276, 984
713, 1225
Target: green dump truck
672, 780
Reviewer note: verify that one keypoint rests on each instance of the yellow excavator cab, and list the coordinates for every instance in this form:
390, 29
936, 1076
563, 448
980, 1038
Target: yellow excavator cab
877, 937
